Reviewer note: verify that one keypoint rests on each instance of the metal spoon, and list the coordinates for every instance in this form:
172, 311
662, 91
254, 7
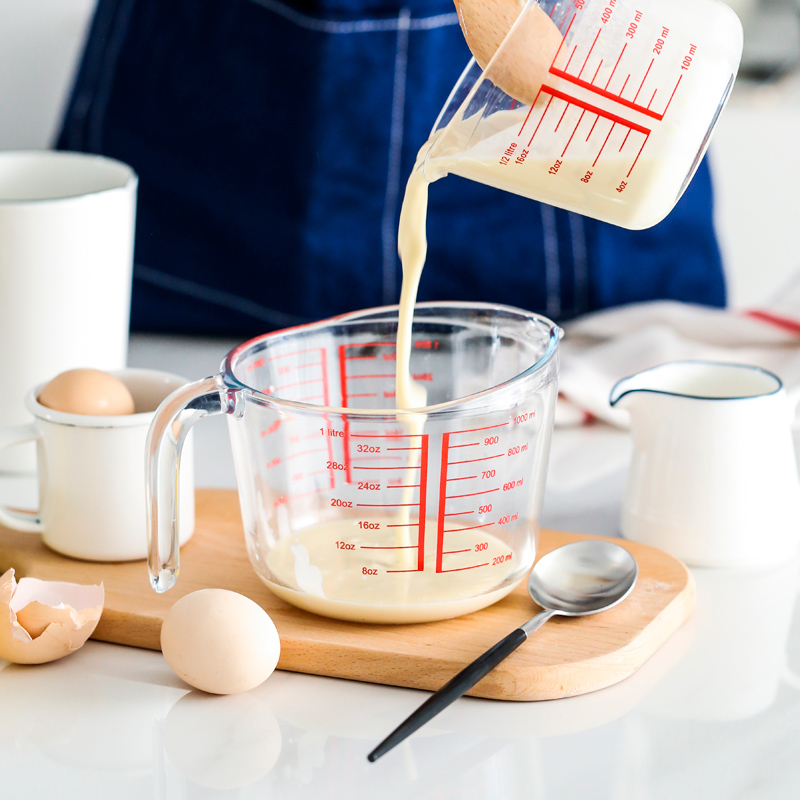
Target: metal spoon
574, 580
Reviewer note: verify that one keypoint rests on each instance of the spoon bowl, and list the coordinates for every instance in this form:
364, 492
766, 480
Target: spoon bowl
583, 578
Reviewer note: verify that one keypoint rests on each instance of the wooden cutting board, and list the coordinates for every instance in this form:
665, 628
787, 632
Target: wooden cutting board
565, 657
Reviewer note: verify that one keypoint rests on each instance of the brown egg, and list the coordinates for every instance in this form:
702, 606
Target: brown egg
87, 391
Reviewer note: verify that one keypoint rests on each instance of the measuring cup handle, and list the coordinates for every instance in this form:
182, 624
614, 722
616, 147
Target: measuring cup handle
19, 520
165, 439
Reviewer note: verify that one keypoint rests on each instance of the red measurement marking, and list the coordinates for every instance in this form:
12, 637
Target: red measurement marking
385, 505
376, 458
652, 98
617, 98
442, 501
295, 353
404, 448
564, 39
364, 394
615, 66
487, 428
604, 144
469, 444
395, 547
305, 453
473, 528
589, 53
371, 468
570, 57
527, 116
573, 132
637, 157
453, 552
346, 425
671, 96
595, 110
404, 525
643, 80
541, 119
460, 513
513, 105
474, 460
596, 71
623, 141
359, 358
465, 478
393, 571
592, 128
388, 435
404, 486
473, 494
562, 116
461, 569
423, 502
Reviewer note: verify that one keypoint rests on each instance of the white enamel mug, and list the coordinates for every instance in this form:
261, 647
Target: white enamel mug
91, 474
713, 479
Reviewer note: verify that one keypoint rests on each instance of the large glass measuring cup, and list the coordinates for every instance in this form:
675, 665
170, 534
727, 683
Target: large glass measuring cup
355, 510
619, 104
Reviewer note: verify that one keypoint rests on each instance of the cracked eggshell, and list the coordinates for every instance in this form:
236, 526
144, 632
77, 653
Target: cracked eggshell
43, 621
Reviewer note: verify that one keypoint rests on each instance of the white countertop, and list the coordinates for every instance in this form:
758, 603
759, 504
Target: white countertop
715, 713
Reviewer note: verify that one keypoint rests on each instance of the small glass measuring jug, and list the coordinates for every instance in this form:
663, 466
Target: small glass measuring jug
615, 102
358, 511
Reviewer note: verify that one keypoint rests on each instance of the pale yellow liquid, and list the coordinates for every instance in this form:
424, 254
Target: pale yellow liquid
498, 153
312, 572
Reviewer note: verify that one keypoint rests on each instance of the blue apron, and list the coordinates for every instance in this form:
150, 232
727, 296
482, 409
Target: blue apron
273, 142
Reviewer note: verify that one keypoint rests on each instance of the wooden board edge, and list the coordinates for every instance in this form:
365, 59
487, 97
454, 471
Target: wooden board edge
138, 631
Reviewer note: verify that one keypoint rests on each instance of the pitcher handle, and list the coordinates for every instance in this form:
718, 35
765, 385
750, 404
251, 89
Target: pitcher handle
165, 439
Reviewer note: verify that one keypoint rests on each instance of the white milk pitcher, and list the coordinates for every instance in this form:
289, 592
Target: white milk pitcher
714, 478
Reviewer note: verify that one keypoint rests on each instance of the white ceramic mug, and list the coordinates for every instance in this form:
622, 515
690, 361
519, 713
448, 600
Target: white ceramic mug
714, 478
66, 259
91, 475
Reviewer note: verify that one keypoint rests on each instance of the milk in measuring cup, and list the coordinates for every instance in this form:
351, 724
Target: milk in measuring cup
616, 112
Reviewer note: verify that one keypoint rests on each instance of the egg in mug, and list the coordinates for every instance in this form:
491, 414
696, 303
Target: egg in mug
90, 392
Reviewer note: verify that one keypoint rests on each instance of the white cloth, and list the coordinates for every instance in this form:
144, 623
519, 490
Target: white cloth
600, 349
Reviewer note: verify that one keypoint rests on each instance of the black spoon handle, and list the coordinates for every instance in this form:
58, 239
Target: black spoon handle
451, 691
